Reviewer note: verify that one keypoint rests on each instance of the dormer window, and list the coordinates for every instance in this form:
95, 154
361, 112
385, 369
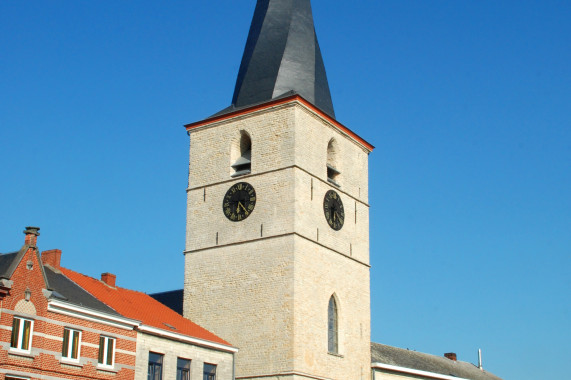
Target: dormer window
333, 173
243, 163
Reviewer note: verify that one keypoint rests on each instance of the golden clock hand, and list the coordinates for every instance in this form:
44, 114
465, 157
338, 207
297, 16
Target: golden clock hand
240, 204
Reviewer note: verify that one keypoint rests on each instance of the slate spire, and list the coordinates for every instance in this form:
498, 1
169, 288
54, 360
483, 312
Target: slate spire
282, 56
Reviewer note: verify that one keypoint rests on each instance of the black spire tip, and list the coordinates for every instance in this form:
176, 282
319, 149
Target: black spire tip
282, 56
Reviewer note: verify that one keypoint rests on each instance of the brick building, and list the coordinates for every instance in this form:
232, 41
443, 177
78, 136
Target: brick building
59, 324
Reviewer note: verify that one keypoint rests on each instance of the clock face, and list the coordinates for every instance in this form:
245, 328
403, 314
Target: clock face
333, 209
239, 201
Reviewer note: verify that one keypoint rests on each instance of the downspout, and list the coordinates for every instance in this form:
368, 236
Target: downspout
233, 366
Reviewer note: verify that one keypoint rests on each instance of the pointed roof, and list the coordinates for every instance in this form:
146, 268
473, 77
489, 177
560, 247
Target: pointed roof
282, 57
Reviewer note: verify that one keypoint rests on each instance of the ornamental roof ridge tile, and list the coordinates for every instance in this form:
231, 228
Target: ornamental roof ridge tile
142, 307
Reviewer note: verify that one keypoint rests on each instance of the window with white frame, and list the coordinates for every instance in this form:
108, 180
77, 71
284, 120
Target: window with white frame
71, 344
22, 334
106, 351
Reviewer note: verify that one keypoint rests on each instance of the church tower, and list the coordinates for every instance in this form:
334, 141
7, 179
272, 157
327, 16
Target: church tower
277, 242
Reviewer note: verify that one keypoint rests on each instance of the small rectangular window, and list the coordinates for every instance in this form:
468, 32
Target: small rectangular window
182, 369
155, 366
209, 371
71, 344
22, 334
106, 351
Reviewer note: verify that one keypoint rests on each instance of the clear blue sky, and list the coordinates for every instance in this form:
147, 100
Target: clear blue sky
467, 102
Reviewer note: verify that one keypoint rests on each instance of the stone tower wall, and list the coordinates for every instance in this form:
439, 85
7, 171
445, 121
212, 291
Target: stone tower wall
264, 283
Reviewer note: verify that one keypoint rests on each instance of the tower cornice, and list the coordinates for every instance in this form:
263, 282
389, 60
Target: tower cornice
295, 98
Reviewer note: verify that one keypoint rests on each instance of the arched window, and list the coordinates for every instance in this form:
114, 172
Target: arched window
242, 156
332, 333
332, 164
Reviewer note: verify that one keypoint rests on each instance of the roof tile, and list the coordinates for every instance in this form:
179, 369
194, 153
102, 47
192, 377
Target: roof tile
142, 307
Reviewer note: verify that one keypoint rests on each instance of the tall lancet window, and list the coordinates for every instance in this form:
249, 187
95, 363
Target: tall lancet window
333, 172
242, 156
332, 333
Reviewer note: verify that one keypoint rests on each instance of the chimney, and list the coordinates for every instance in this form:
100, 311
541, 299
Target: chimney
52, 257
108, 278
450, 355
31, 236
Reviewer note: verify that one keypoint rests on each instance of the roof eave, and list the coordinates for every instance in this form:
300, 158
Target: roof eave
272, 103
187, 339
66, 308
431, 375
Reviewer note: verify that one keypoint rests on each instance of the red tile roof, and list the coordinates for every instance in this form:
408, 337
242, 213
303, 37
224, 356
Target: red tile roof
141, 307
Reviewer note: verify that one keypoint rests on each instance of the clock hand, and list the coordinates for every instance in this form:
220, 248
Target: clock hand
240, 204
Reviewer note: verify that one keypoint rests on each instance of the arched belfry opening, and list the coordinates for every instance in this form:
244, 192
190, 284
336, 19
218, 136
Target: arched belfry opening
241, 156
332, 327
333, 173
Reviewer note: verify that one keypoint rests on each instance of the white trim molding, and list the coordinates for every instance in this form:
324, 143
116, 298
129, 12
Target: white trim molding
186, 339
417, 372
91, 315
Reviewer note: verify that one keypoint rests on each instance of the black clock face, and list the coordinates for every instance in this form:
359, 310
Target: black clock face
333, 209
239, 201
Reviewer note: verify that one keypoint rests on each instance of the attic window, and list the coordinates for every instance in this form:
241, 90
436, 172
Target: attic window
333, 173
242, 164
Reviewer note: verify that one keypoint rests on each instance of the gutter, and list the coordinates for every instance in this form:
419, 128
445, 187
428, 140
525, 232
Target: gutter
187, 339
411, 371
121, 322
92, 315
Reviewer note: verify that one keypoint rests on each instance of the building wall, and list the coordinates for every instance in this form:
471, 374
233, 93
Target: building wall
172, 350
319, 275
244, 293
264, 283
